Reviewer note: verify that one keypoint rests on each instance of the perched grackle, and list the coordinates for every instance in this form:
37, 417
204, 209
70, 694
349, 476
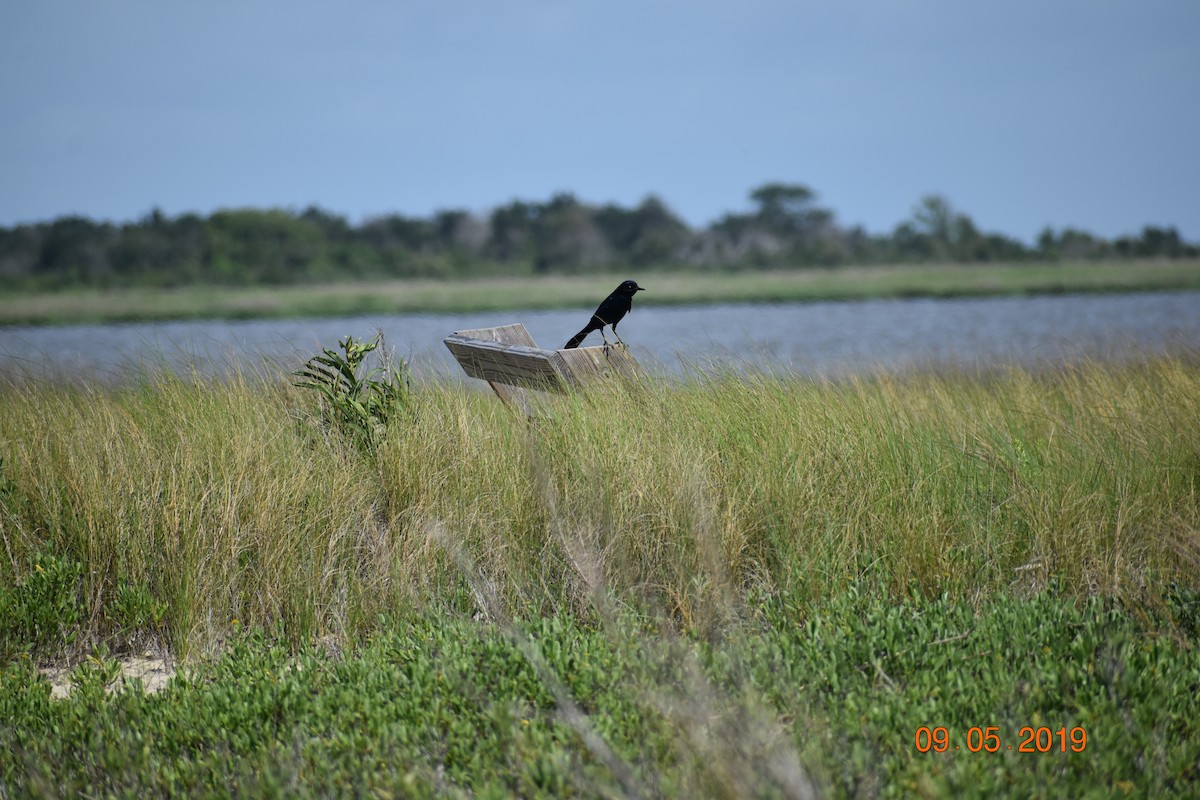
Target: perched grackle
610, 312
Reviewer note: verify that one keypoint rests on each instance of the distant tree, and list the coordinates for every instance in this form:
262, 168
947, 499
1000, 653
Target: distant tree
396, 231
510, 232
938, 232
863, 248
20, 250
160, 251
459, 232
785, 227
397, 243
661, 234
1047, 243
803, 232
934, 216
566, 236
335, 227
646, 235
741, 240
1159, 243
75, 250
942, 227
1072, 244
910, 244
998, 247
785, 209
250, 246
967, 243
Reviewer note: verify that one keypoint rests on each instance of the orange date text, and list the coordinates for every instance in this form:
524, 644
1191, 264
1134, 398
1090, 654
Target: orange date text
987, 739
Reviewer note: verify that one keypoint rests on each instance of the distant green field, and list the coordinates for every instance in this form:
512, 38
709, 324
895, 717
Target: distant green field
558, 291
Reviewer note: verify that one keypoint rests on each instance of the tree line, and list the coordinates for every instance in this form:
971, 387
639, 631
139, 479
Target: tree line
785, 228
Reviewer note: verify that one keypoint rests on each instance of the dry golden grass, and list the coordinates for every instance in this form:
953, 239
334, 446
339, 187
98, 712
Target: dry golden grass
230, 502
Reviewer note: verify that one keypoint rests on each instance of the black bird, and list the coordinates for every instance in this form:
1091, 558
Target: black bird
610, 312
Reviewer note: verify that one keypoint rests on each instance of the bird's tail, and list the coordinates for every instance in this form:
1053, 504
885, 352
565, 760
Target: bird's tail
576, 339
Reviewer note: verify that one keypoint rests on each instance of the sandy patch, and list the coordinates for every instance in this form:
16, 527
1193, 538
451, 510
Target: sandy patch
155, 672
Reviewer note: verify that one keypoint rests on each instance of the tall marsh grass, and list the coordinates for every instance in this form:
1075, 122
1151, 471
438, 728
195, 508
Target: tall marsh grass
697, 498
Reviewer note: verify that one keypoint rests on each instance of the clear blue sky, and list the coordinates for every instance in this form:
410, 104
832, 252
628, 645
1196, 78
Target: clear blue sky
1023, 113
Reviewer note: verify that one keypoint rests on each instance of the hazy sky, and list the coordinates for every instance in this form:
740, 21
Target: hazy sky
1023, 113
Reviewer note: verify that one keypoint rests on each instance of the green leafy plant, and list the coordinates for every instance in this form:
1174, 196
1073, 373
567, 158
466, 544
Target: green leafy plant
353, 401
93, 675
41, 611
134, 608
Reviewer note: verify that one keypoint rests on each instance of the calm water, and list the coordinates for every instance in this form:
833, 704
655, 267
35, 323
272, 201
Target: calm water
814, 338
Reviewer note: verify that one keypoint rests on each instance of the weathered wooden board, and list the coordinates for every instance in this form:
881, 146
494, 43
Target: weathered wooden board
506, 357
477, 362
513, 364
583, 364
509, 334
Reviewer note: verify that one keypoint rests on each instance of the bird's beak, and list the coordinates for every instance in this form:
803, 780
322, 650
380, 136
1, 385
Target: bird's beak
640, 289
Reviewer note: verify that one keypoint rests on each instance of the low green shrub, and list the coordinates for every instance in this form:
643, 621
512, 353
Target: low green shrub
824, 699
40, 614
133, 609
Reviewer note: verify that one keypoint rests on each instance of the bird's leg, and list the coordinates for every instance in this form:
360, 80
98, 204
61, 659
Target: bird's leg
605, 338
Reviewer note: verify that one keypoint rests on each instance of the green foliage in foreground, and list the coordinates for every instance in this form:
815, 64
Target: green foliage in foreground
40, 613
727, 586
824, 702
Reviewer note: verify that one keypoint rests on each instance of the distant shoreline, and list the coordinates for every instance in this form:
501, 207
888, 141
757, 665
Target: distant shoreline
566, 291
